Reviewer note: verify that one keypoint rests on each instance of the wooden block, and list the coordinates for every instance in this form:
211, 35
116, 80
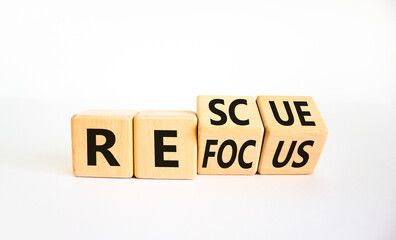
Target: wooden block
230, 134
102, 143
165, 144
295, 134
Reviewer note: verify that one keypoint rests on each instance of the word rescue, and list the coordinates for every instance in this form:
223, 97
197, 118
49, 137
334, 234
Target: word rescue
228, 135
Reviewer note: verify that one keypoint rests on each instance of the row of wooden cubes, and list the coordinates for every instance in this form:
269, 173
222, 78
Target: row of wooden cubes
228, 135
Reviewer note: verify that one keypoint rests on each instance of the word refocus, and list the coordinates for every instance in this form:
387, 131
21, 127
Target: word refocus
228, 135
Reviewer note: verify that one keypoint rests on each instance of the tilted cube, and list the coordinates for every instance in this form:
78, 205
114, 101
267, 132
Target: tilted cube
230, 134
294, 137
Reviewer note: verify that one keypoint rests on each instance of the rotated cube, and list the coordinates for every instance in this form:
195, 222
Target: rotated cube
230, 134
295, 135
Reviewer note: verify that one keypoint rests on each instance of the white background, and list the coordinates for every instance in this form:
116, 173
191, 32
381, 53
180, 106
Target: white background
58, 58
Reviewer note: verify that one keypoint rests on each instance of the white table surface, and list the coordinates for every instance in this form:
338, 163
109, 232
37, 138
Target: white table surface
351, 195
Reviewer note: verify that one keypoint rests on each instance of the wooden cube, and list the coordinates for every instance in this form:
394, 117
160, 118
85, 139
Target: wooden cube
295, 135
165, 144
230, 134
102, 143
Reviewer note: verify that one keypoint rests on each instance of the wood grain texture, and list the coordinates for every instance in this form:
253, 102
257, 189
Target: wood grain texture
229, 131
299, 131
185, 142
117, 121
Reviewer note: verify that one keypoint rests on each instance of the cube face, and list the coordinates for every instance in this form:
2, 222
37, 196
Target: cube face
295, 135
102, 143
165, 144
230, 134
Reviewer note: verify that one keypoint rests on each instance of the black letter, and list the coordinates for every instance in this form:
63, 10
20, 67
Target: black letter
220, 153
223, 116
208, 153
276, 162
290, 120
160, 148
302, 113
232, 112
303, 154
92, 148
242, 163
